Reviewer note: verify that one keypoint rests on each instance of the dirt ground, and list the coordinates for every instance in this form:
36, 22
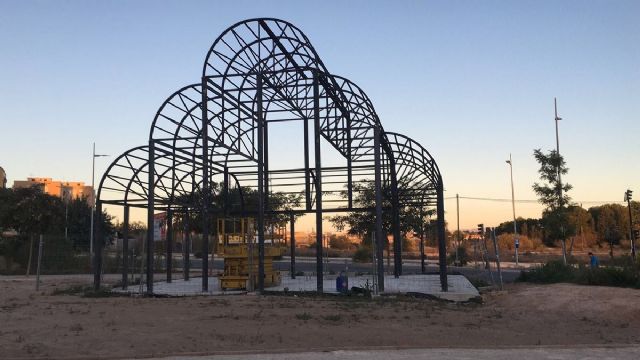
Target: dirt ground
43, 325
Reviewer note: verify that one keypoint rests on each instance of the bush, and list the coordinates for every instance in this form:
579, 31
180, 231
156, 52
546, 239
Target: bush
463, 256
340, 242
362, 254
506, 242
555, 271
552, 272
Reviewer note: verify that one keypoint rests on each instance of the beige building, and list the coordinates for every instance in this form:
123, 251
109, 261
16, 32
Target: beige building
62, 189
3, 178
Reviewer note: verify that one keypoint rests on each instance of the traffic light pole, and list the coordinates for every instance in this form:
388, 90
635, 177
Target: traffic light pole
627, 197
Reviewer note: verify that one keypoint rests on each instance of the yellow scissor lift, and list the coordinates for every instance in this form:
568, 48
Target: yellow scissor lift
240, 254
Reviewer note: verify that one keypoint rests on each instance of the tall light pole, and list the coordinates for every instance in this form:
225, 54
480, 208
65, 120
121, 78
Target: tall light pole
560, 200
93, 196
557, 118
458, 225
516, 243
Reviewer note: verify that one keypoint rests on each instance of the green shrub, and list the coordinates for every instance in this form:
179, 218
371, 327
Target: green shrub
551, 272
463, 256
627, 275
362, 254
303, 316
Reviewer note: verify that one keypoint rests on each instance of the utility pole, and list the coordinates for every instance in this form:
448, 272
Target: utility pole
458, 233
93, 197
497, 252
513, 207
627, 198
560, 200
557, 118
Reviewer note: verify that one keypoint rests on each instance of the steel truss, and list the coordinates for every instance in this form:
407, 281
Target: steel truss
260, 72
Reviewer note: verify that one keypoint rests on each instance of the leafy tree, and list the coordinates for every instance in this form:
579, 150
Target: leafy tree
243, 201
340, 242
29, 211
579, 221
362, 224
611, 222
33, 212
552, 193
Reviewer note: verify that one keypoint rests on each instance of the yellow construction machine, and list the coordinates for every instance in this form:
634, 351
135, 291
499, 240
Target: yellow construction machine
238, 238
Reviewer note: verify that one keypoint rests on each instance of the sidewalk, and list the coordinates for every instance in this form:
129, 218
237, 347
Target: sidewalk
555, 353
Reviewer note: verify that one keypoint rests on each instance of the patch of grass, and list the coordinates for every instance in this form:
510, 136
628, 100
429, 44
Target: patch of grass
87, 291
72, 290
478, 283
627, 275
332, 317
304, 316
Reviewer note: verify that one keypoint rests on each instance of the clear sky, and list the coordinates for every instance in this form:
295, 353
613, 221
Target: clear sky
471, 80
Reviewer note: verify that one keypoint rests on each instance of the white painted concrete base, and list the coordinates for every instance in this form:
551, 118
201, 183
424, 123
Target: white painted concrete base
460, 289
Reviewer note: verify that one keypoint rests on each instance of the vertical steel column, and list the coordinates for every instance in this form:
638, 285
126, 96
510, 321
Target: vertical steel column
150, 220
397, 237
169, 250
395, 212
442, 240
125, 249
205, 188
260, 122
307, 178
292, 242
349, 170
422, 267
265, 160
186, 245
97, 250
318, 176
379, 234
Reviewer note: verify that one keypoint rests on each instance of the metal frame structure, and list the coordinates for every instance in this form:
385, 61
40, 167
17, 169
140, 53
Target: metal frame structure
258, 73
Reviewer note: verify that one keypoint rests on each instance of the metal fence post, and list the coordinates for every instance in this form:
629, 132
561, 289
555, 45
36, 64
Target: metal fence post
39, 263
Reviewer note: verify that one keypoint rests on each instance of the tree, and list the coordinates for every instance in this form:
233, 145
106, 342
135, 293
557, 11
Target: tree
236, 200
340, 242
580, 222
611, 222
30, 212
362, 224
34, 212
552, 193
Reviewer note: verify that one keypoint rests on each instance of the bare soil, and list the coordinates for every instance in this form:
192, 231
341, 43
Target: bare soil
43, 325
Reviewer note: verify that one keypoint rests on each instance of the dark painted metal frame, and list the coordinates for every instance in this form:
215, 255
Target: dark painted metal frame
260, 72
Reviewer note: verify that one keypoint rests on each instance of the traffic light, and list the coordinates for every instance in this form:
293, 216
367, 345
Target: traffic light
481, 228
627, 195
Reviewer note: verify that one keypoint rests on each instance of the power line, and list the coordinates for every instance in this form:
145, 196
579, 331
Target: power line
533, 201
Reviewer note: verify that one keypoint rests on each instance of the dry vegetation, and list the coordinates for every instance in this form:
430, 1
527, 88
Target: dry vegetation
70, 326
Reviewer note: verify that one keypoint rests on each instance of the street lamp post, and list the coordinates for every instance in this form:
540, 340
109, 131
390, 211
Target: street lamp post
560, 200
557, 118
93, 197
513, 207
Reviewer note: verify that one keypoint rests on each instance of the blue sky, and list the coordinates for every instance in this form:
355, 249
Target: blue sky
471, 80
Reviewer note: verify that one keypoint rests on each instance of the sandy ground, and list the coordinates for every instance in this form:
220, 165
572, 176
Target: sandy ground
43, 325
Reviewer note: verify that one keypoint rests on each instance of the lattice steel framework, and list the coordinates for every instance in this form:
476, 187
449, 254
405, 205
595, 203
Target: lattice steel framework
260, 72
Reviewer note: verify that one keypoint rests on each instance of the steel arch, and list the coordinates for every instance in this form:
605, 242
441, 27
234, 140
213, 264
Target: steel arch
259, 72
